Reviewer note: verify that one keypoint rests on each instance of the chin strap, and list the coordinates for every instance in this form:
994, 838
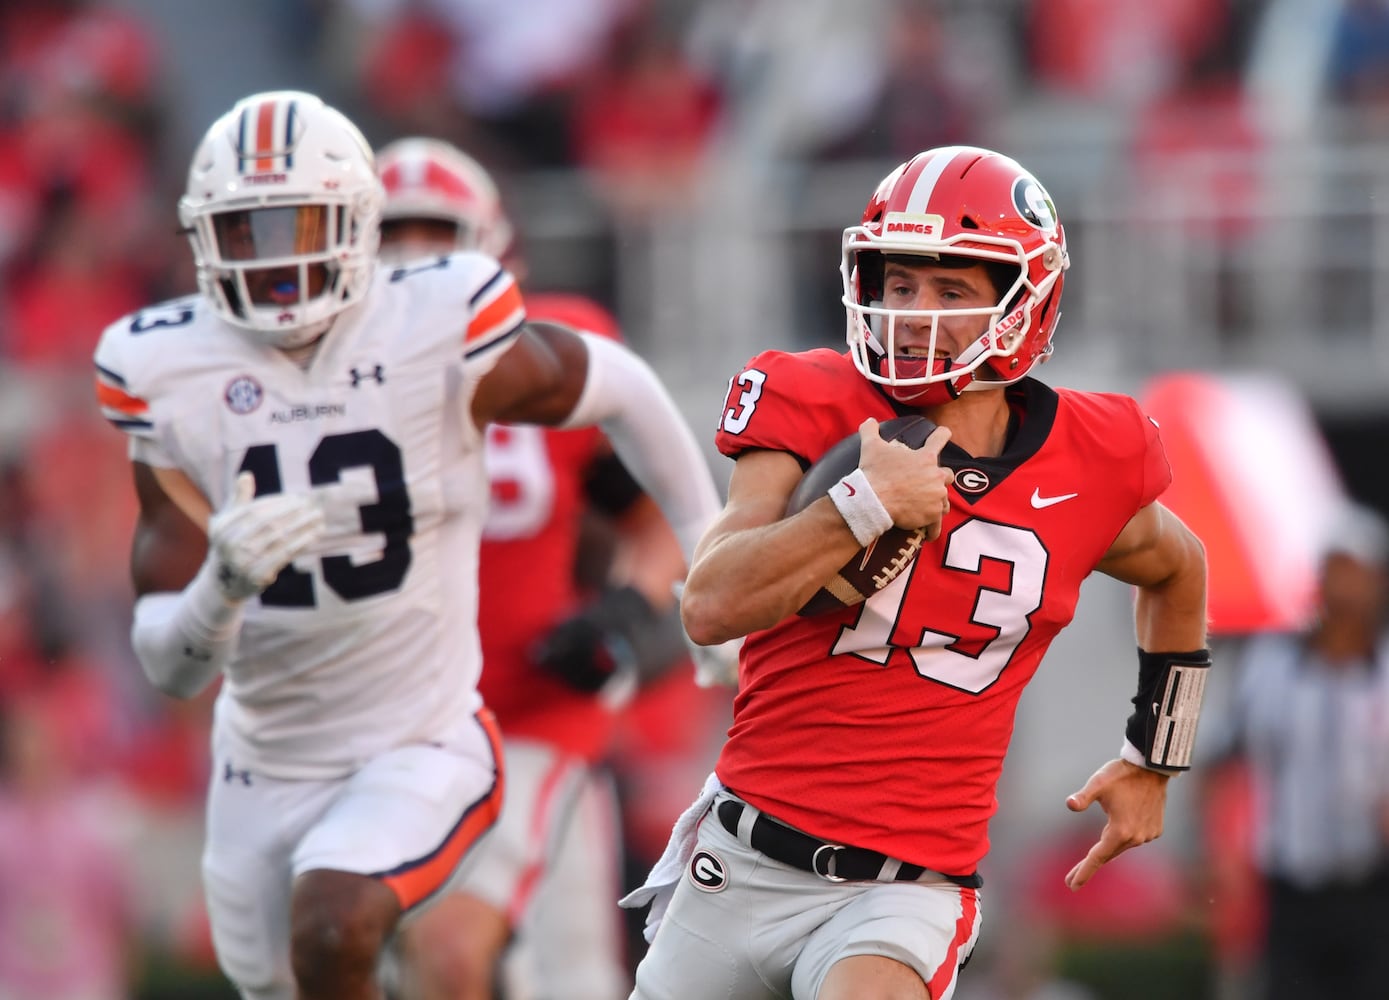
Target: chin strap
931, 393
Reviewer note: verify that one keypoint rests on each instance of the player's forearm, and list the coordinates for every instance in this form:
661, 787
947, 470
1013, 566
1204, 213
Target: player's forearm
748, 579
183, 640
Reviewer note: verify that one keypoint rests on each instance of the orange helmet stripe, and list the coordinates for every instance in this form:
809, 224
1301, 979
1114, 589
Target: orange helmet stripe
265, 137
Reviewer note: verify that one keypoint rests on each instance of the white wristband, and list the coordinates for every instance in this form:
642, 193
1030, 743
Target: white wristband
860, 507
184, 639
1134, 756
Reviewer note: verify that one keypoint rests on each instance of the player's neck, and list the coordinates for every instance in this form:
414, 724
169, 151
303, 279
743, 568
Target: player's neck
303, 356
978, 422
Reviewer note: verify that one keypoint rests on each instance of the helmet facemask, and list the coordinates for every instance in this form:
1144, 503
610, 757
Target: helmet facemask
923, 379
279, 268
410, 237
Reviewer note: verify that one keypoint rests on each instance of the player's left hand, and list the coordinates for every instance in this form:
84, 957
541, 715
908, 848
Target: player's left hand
1133, 799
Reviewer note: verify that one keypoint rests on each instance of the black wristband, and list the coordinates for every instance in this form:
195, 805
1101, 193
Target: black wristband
1168, 706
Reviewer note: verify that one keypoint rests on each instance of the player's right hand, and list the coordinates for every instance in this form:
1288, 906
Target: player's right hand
252, 538
910, 482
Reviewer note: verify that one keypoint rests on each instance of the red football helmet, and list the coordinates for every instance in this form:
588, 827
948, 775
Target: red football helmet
956, 202
431, 180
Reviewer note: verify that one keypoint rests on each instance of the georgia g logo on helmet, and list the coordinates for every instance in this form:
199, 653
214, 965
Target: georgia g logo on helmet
1034, 204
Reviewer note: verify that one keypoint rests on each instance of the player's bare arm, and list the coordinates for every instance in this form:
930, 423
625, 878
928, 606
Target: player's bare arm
168, 545
647, 555
537, 381
1166, 561
1159, 555
755, 567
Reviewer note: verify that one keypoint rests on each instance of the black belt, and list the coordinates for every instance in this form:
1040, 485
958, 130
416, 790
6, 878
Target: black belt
834, 862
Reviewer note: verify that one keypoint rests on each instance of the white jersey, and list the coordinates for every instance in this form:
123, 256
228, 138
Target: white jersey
369, 641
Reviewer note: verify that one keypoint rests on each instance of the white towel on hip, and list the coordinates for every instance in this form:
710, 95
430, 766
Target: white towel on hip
666, 872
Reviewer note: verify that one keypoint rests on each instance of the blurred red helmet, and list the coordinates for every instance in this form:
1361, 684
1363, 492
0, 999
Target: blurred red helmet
962, 203
429, 179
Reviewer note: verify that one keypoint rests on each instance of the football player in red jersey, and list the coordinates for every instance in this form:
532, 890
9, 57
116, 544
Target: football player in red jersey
557, 661
837, 849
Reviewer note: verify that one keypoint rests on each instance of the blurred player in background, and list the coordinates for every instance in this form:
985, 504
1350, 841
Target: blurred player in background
1308, 725
306, 436
836, 850
577, 606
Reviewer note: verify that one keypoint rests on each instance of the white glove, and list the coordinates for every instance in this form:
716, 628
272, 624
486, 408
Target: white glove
252, 538
716, 666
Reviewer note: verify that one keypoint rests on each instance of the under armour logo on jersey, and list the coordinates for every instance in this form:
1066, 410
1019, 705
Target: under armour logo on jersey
707, 872
231, 774
376, 374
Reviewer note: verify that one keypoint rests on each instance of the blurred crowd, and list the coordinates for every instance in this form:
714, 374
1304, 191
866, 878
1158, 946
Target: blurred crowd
101, 779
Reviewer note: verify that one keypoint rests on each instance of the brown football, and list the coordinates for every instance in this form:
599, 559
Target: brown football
874, 566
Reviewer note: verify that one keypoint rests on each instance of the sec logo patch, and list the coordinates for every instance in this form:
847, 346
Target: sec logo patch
707, 872
243, 394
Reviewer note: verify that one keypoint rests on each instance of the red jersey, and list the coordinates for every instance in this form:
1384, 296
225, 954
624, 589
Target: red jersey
885, 725
526, 567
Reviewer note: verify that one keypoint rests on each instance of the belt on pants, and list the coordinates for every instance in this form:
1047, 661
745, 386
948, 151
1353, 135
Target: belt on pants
832, 862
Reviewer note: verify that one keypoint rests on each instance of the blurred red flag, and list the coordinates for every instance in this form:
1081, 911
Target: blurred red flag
1253, 477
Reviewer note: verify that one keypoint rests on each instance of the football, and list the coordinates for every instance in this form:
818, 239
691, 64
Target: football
874, 566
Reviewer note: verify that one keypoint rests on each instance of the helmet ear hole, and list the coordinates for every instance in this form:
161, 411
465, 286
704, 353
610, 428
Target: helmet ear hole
868, 267
233, 297
1003, 277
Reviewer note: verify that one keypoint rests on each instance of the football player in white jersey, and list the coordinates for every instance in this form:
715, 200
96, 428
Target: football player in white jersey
306, 436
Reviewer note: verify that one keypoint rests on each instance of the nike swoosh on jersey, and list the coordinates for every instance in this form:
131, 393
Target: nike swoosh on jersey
1039, 501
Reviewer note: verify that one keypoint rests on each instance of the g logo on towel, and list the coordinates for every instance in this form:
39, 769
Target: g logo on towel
707, 872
